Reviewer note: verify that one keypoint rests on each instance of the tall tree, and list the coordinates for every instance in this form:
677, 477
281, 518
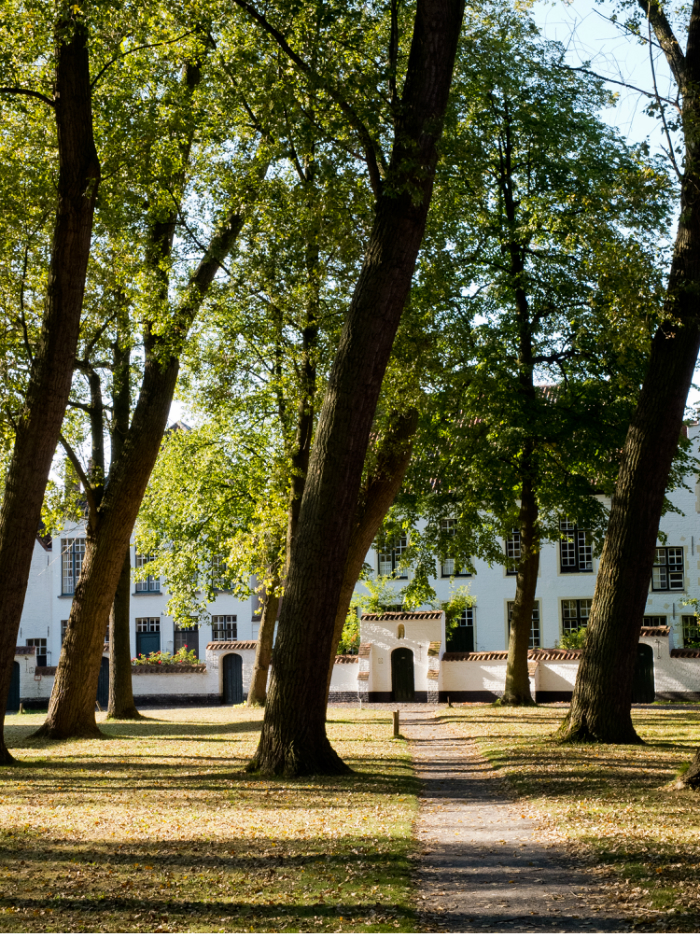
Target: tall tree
165, 327
38, 421
293, 737
601, 704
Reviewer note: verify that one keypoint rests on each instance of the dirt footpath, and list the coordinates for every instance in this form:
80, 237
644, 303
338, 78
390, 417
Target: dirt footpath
483, 869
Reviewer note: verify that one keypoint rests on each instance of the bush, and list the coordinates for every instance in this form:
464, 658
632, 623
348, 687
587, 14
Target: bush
576, 639
181, 657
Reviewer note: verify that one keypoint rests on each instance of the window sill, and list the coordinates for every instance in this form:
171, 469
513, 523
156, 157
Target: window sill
66, 596
146, 593
574, 571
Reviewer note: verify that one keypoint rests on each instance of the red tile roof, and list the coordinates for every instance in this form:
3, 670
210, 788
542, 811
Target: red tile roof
401, 617
536, 655
648, 631
228, 646
346, 659
685, 653
25, 650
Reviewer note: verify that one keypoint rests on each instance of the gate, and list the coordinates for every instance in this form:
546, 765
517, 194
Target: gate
233, 679
103, 684
13, 699
643, 689
402, 684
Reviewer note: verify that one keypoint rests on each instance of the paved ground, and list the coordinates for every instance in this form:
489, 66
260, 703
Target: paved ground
483, 869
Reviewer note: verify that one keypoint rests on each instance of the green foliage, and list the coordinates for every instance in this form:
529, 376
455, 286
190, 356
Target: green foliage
576, 639
181, 657
460, 600
350, 638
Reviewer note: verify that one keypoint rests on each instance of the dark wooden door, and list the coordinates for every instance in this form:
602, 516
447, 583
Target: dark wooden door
13, 699
147, 642
461, 639
103, 684
233, 679
402, 683
643, 688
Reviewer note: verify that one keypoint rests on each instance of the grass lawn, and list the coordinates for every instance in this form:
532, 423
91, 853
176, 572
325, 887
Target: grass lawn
614, 804
157, 828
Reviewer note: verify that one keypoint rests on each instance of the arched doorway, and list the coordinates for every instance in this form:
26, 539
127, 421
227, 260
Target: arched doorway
402, 683
643, 688
13, 699
233, 679
103, 684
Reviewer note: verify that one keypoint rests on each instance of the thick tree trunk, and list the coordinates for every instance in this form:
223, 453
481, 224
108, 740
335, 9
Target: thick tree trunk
39, 422
257, 693
121, 692
517, 692
376, 498
691, 779
293, 737
601, 704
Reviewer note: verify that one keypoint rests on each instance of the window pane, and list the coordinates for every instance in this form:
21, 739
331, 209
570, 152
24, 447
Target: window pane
448, 567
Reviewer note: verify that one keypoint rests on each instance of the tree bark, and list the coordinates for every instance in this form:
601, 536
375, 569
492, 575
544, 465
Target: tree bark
601, 704
691, 779
293, 738
257, 693
72, 705
121, 692
376, 498
39, 423
517, 691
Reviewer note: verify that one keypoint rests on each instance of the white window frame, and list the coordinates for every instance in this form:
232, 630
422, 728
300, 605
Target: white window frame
513, 552
575, 613
449, 566
575, 549
72, 555
226, 624
668, 573
148, 624
389, 557
148, 584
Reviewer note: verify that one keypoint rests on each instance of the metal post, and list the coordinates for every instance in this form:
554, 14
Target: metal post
397, 725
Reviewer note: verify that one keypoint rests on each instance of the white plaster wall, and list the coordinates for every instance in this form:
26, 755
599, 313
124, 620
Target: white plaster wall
473, 676
175, 683
556, 676
344, 676
213, 660
384, 639
37, 619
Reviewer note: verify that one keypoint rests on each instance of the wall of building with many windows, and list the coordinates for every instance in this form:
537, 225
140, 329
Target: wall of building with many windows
566, 580
55, 570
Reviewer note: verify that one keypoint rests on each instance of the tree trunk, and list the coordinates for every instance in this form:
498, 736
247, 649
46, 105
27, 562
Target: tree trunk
517, 692
72, 704
691, 779
121, 692
293, 738
257, 693
39, 422
602, 700
376, 499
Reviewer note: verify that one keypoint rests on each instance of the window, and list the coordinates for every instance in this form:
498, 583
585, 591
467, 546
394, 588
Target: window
72, 554
148, 624
513, 552
450, 567
460, 638
219, 572
655, 621
224, 628
187, 638
149, 584
390, 557
691, 632
40, 646
574, 614
64, 626
667, 573
576, 550
534, 642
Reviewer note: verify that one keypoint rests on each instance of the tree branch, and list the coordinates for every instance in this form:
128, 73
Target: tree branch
78, 467
27, 93
374, 157
667, 40
138, 48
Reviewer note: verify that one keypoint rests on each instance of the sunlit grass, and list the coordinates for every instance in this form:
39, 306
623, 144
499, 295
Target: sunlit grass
156, 827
